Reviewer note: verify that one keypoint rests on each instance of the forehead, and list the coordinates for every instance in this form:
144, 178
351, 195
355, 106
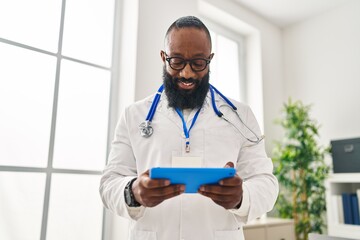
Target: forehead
188, 42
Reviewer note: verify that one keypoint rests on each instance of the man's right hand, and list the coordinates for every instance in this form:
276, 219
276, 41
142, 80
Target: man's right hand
151, 192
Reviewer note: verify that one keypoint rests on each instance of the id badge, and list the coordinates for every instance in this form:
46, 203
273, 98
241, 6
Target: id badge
187, 160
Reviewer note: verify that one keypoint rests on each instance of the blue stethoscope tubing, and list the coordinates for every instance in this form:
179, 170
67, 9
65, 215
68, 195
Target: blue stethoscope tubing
146, 130
234, 109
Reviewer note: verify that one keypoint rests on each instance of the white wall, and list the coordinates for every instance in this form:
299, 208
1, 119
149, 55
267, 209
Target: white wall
156, 16
322, 67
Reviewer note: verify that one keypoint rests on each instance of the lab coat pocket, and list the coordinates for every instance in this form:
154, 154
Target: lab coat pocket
143, 235
229, 235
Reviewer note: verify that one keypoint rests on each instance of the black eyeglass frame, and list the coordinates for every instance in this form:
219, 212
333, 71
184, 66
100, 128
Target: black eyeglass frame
188, 61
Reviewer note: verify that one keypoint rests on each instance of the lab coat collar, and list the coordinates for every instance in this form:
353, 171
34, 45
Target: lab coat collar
169, 112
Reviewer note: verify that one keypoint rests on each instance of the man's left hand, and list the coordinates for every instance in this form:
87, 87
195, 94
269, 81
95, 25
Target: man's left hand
228, 193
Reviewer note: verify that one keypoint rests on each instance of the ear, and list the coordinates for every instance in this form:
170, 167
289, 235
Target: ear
211, 56
162, 54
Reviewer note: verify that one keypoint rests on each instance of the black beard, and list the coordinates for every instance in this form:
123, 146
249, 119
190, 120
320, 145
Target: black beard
182, 99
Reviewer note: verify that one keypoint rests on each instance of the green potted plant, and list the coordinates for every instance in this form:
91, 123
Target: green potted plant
301, 171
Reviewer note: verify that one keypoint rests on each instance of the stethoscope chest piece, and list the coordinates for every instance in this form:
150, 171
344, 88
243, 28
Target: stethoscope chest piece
145, 129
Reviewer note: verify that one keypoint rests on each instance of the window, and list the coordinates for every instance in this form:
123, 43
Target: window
226, 70
56, 67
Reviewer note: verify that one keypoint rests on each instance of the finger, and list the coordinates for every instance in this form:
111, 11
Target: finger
164, 191
219, 190
172, 194
229, 165
222, 198
154, 200
147, 182
233, 181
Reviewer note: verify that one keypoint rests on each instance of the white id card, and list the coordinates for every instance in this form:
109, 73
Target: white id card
187, 160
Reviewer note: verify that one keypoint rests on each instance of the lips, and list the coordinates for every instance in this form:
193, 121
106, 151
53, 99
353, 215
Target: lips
186, 84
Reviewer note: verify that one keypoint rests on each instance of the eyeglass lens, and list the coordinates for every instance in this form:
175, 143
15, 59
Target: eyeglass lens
197, 64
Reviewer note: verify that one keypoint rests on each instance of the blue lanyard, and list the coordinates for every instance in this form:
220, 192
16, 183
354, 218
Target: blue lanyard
186, 131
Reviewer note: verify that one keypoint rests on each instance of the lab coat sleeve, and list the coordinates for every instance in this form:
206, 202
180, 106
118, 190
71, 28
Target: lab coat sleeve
121, 168
260, 186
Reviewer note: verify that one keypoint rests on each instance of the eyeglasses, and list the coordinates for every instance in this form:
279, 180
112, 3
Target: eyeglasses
196, 64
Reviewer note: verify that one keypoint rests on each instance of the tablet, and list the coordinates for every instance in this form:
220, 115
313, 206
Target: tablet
193, 178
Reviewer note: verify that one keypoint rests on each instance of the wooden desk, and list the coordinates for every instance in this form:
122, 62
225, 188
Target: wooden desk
270, 229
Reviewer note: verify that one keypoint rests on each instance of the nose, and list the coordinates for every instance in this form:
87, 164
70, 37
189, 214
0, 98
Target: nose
187, 72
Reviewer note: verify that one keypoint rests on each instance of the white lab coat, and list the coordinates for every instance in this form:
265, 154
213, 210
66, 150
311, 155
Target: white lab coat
188, 216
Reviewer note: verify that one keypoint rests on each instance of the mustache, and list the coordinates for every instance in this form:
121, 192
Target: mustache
179, 98
187, 80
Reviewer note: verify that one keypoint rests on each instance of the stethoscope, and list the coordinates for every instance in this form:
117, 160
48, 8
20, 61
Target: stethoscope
146, 130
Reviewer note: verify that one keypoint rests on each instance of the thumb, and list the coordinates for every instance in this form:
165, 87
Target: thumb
229, 165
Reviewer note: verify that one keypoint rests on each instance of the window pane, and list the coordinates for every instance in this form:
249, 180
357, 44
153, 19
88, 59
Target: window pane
81, 126
21, 205
89, 37
35, 23
26, 97
75, 210
213, 65
226, 66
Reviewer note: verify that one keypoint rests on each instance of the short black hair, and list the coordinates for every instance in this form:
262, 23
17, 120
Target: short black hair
189, 22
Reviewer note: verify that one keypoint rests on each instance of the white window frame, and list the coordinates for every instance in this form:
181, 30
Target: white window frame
240, 40
112, 118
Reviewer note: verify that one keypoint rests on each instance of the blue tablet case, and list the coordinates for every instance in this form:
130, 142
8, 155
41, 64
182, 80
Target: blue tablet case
193, 178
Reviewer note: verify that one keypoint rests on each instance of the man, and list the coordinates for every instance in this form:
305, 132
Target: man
187, 132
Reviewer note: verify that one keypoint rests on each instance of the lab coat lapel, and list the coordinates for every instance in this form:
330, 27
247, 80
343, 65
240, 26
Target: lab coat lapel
171, 114
168, 112
207, 108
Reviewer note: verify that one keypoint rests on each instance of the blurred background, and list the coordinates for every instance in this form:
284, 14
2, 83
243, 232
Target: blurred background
68, 68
